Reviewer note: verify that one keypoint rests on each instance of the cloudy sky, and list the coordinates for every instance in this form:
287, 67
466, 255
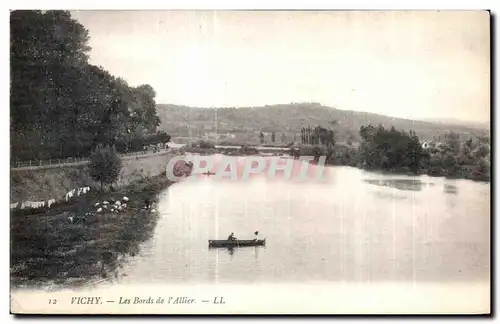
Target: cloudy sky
405, 64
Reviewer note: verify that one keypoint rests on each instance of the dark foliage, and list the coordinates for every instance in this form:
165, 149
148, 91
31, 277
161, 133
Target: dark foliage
105, 165
62, 106
399, 151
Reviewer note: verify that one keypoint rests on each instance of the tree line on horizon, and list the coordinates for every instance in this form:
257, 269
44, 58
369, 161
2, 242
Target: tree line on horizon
317, 136
393, 150
63, 106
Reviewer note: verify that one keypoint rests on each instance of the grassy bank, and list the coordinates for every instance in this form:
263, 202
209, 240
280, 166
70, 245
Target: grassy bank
50, 249
38, 185
70, 242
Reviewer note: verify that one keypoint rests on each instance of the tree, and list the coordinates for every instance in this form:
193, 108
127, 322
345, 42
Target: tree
452, 143
482, 170
143, 108
390, 149
414, 153
482, 151
105, 165
325, 136
450, 165
203, 144
47, 53
62, 106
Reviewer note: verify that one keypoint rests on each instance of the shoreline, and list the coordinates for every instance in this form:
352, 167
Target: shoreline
412, 174
237, 152
49, 249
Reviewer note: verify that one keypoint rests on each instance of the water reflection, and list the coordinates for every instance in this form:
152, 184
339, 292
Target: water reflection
388, 196
353, 229
451, 189
401, 184
231, 250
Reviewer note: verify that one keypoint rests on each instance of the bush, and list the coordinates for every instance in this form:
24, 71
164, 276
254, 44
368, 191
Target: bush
202, 144
105, 165
248, 150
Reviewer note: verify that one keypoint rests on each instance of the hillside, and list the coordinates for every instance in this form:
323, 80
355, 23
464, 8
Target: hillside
246, 123
451, 121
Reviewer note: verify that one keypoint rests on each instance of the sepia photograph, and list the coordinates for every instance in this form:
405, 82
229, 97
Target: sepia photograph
270, 162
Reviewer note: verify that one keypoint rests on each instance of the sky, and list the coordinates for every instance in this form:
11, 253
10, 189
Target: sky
409, 64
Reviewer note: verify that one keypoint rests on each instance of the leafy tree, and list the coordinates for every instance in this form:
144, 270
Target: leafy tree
203, 144
390, 149
452, 142
328, 137
482, 151
482, 170
47, 53
105, 165
62, 106
414, 154
450, 164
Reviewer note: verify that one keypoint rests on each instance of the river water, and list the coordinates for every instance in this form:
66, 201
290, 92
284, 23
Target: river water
357, 227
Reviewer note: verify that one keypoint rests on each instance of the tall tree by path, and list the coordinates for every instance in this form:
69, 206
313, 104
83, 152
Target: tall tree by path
62, 106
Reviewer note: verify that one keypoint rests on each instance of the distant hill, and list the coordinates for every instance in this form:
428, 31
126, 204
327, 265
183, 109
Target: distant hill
289, 118
457, 122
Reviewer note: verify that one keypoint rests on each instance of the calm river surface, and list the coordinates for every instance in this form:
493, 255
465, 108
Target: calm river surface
359, 227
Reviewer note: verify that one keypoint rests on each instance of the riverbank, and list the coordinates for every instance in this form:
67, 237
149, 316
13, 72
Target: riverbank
349, 156
465, 173
42, 185
433, 165
71, 242
73, 245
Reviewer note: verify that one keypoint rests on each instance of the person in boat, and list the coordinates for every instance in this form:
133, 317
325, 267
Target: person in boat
231, 237
256, 236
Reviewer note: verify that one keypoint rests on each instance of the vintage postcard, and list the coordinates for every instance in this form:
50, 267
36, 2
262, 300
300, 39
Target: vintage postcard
250, 162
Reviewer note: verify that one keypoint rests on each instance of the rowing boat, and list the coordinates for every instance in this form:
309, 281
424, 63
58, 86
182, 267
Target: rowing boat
235, 243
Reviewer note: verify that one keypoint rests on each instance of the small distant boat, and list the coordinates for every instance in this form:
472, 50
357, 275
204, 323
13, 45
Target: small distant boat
235, 243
